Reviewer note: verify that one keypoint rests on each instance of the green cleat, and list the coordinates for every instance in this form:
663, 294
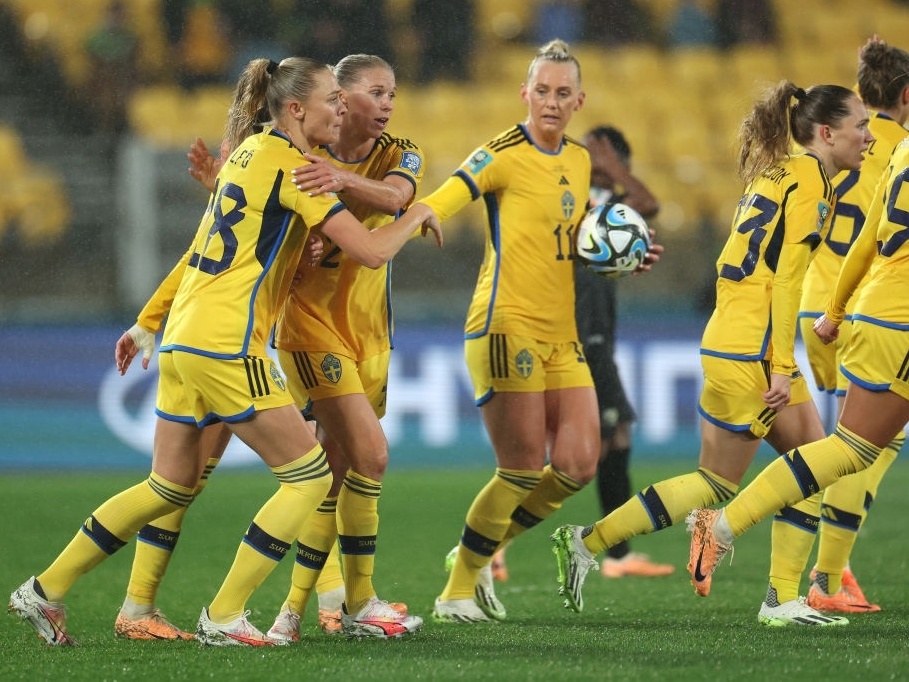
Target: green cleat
574, 561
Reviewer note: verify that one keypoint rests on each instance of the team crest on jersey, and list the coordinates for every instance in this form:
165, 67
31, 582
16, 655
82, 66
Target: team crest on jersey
823, 210
411, 162
276, 376
568, 204
331, 368
479, 161
523, 361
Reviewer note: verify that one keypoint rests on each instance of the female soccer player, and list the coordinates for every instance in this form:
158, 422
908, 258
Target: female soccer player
883, 84
341, 308
530, 378
753, 388
877, 401
213, 360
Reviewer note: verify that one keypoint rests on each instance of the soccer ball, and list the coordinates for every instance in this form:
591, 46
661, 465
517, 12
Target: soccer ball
613, 240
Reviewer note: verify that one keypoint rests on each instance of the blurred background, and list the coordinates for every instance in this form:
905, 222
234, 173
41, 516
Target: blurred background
100, 99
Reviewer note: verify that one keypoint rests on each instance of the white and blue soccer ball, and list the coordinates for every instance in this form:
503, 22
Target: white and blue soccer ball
613, 240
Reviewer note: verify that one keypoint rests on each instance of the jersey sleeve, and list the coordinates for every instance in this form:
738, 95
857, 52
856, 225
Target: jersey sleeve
409, 163
451, 197
858, 259
152, 315
807, 214
784, 304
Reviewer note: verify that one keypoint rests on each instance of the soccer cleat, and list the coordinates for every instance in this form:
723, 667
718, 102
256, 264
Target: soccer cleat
484, 591
47, 617
574, 561
330, 621
485, 595
378, 619
634, 564
286, 628
152, 626
458, 611
238, 632
706, 550
848, 599
796, 612
499, 569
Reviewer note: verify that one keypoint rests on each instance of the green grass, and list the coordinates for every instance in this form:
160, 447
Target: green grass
631, 629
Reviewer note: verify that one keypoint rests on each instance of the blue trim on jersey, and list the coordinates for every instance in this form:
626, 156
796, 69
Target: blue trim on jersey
495, 238
734, 356
328, 150
471, 185
390, 316
867, 385
878, 322
738, 428
538, 147
407, 177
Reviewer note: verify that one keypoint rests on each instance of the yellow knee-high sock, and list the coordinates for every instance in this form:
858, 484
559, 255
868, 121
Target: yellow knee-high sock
303, 485
109, 528
659, 506
845, 507
798, 474
358, 526
487, 521
315, 546
792, 535
542, 502
331, 577
154, 548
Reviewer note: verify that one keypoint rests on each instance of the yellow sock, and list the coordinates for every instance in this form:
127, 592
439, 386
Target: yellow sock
155, 547
542, 502
331, 577
844, 509
487, 521
358, 526
792, 536
303, 485
659, 506
109, 528
798, 474
315, 546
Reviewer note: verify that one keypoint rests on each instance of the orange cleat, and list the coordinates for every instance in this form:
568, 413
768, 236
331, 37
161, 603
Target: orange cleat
706, 550
152, 626
848, 599
634, 564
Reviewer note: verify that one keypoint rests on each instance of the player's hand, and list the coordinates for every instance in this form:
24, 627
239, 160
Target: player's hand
319, 176
203, 166
430, 221
777, 396
313, 250
134, 339
826, 330
652, 256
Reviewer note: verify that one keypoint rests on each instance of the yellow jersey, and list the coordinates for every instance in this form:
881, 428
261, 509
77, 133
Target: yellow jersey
783, 215
854, 190
341, 305
534, 201
245, 252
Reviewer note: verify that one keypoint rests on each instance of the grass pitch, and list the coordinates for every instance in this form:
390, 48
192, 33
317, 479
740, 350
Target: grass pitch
631, 629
